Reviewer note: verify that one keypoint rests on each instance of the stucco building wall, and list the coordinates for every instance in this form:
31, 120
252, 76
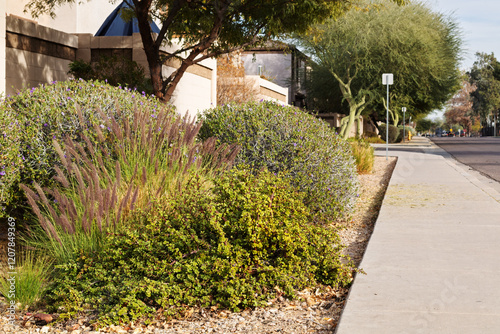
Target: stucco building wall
34, 52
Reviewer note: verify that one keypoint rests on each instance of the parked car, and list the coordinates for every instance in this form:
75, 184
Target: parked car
444, 134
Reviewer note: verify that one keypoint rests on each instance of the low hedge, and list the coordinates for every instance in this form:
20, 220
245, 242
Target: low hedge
405, 131
286, 139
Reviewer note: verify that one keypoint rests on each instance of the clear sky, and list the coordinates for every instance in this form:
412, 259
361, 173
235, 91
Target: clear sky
480, 23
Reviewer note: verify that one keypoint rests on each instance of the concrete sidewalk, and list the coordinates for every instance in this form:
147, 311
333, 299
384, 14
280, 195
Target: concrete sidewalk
433, 262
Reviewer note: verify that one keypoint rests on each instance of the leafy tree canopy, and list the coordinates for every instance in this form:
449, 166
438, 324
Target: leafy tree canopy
420, 47
485, 75
208, 28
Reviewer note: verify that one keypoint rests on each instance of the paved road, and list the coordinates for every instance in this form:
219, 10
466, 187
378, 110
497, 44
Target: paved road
480, 153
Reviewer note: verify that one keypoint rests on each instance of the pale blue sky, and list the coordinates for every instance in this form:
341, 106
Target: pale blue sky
480, 23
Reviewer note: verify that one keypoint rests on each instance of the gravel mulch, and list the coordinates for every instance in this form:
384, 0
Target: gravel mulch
315, 311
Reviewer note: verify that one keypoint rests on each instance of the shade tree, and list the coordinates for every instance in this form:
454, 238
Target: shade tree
420, 47
208, 28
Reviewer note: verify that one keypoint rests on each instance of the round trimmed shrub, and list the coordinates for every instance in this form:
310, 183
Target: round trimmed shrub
393, 132
53, 111
286, 139
244, 241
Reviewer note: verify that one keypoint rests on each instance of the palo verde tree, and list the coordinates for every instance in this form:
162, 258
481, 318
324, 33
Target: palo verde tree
209, 28
420, 47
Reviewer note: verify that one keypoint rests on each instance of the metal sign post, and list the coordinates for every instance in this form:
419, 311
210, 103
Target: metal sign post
387, 79
404, 110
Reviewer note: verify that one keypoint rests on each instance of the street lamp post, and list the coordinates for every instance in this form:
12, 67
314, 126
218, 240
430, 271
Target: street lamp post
387, 79
404, 111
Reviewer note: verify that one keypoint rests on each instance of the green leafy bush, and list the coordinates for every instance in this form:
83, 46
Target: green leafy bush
286, 139
114, 70
364, 154
393, 132
52, 112
407, 129
247, 239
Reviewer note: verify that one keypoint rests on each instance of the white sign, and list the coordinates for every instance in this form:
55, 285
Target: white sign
387, 79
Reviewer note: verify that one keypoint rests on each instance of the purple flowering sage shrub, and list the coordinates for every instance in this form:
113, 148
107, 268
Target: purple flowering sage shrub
10, 159
52, 112
286, 139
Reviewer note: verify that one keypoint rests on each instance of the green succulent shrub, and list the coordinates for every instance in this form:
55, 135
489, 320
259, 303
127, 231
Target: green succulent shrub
364, 154
286, 139
232, 244
52, 112
393, 132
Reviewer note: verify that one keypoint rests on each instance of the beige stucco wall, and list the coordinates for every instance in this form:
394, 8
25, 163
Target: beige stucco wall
267, 90
74, 27
197, 89
29, 65
86, 17
193, 93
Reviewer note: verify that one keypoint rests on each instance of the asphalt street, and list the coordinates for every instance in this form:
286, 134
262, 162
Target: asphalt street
480, 153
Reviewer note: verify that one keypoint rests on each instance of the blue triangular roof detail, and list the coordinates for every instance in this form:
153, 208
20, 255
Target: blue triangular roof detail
114, 25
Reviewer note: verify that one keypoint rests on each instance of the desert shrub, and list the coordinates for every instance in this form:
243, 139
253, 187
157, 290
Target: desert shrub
114, 70
10, 157
282, 138
100, 185
364, 155
393, 132
374, 140
52, 112
247, 239
369, 134
407, 129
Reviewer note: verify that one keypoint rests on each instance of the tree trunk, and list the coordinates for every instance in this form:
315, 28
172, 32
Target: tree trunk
150, 47
169, 87
350, 121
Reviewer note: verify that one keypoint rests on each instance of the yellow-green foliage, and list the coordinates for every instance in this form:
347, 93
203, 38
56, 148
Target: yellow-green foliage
30, 280
234, 246
364, 155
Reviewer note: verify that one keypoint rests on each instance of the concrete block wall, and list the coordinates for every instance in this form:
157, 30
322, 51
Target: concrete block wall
35, 54
195, 92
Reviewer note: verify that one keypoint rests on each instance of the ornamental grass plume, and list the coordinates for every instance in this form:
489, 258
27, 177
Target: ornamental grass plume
101, 183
